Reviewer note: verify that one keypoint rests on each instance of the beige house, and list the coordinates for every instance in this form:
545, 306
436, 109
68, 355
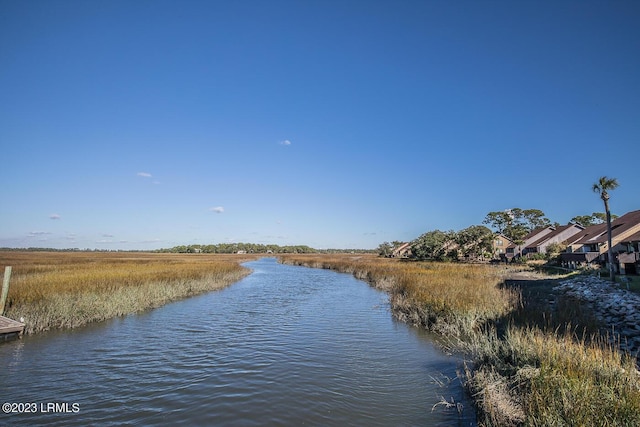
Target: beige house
629, 260
591, 245
500, 244
559, 234
516, 250
402, 251
539, 239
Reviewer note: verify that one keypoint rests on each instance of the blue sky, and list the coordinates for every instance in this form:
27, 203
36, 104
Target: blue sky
334, 124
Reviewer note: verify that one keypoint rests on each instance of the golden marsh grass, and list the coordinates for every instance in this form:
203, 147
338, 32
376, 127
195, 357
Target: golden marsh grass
530, 377
69, 289
457, 297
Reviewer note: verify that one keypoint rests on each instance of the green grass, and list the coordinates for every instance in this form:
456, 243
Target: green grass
629, 282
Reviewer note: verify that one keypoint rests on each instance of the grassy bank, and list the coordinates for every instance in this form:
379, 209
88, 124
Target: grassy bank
528, 367
70, 289
455, 299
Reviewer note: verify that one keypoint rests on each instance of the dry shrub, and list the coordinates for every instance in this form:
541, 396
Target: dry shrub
530, 377
491, 392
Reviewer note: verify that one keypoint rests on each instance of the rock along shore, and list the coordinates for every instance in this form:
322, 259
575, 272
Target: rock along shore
618, 309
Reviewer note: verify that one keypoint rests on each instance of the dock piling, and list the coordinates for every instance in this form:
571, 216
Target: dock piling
5, 288
8, 327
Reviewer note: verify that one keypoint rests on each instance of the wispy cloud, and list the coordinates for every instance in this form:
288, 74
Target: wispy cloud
275, 237
40, 236
39, 233
217, 209
285, 142
156, 240
107, 235
144, 174
54, 216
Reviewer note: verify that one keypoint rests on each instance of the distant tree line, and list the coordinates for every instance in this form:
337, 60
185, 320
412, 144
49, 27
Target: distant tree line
255, 248
232, 248
222, 248
347, 251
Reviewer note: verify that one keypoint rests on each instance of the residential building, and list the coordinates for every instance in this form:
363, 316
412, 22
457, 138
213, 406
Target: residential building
591, 245
629, 260
402, 251
558, 234
500, 244
515, 250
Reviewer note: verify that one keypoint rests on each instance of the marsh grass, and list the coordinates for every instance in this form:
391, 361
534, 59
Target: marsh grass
444, 297
526, 370
531, 377
69, 289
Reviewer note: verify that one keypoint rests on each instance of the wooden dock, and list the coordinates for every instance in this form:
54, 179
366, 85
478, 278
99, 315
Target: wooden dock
10, 328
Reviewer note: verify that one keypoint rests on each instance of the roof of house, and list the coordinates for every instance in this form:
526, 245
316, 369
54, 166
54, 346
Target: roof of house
633, 238
403, 246
503, 237
554, 233
531, 235
618, 227
587, 233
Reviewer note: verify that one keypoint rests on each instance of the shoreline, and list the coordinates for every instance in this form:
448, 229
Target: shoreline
532, 346
65, 290
526, 364
73, 311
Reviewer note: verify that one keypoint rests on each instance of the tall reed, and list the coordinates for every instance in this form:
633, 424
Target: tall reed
449, 298
69, 289
535, 378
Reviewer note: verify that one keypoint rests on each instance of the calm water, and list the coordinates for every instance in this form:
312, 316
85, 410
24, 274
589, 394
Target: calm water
285, 346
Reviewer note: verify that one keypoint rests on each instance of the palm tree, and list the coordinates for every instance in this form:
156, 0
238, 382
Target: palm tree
602, 187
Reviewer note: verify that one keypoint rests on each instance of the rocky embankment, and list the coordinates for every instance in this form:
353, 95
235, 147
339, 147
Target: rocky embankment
617, 308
